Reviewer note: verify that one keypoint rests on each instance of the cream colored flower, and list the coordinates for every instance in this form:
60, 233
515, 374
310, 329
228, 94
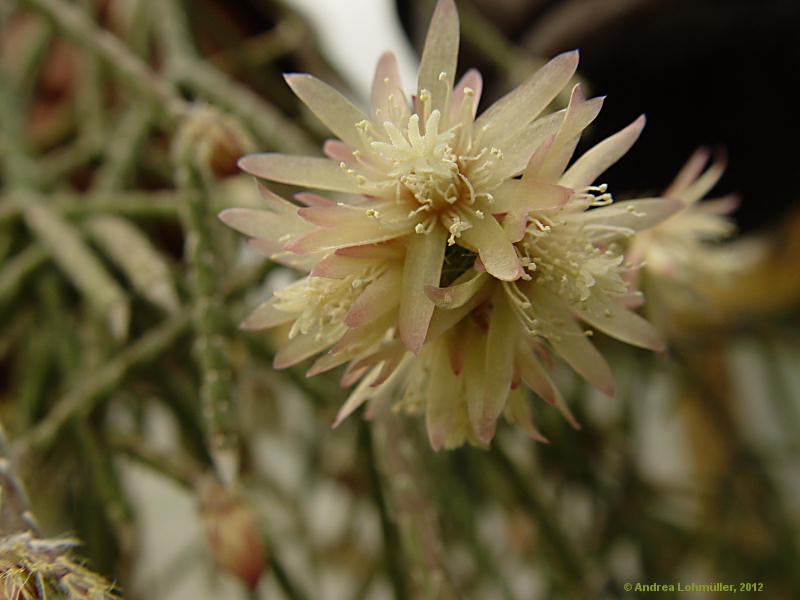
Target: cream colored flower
488, 336
682, 250
426, 172
465, 250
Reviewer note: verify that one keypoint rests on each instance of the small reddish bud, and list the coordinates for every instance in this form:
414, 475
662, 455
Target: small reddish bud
232, 531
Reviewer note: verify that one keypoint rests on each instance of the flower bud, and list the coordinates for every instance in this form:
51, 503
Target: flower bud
232, 531
212, 140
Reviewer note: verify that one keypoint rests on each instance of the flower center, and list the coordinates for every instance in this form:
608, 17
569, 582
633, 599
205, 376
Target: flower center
422, 161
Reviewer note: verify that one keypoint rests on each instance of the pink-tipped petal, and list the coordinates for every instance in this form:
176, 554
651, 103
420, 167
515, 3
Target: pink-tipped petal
475, 393
580, 113
573, 346
305, 171
442, 401
266, 316
519, 196
719, 206
338, 151
423, 267
525, 142
619, 323
599, 158
379, 297
519, 410
440, 55
457, 295
623, 219
311, 199
486, 236
703, 184
299, 349
333, 109
520, 106
470, 80
387, 89
501, 341
689, 172
361, 394
334, 266
274, 251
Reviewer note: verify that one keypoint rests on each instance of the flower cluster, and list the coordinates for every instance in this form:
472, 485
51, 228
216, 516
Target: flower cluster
461, 251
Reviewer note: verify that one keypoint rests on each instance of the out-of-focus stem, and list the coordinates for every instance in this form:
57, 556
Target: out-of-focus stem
185, 69
90, 388
566, 555
397, 460
133, 71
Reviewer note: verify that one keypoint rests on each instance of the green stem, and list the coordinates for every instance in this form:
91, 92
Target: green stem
90, 388
184, 68
17, 269
133, 71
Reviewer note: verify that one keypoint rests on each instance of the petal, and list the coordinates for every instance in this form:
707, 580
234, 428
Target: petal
338, 151
619, 323
443, 320
519, 410
330, 238
264, 224
275, 202
423, 267
523, 142
443, 399
487, 238
689, 172
387, 90
266, 316
382, 251
520, 106
306, 171
599, 158
471, 79
377, 298
274, 251
572, 344
475, 387
620, 219
536, 377
501, 341
334, 266
360, 395
332, 108
580, 113
522, 195
457, 295
719, 206
299, 349
440, 55
703, 184
353, 228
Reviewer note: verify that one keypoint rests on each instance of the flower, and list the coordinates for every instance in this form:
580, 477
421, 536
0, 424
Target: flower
496, 334
680, 255
463, 249
427, 172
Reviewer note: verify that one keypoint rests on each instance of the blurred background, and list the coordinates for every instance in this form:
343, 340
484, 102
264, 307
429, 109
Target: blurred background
141, 421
